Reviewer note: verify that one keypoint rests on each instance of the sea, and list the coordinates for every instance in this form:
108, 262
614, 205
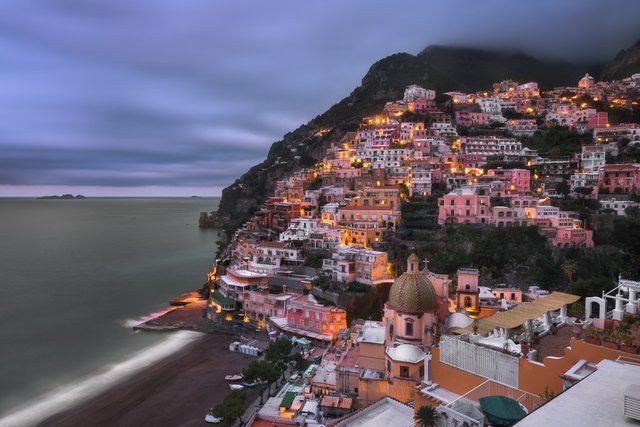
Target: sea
75, 276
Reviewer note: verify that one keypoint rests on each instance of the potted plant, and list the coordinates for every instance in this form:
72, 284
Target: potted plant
626, 342
577, 328
610, 339
592, 335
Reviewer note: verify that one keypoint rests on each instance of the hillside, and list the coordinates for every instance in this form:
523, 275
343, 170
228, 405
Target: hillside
437, 67
626, 63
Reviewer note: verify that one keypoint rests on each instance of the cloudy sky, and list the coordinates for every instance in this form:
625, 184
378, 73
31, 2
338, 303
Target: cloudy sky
179, 97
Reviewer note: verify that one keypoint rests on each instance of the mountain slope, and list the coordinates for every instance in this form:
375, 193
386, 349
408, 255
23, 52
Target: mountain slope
626, 63
437, 67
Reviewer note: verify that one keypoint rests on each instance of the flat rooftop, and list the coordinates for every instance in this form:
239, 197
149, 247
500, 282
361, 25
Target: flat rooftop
385, 412
598, 400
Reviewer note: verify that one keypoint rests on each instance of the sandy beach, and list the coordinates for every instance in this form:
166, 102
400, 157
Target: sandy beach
177, 391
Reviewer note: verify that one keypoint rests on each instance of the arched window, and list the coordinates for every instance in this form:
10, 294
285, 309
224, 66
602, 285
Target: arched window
408, 327
467, 287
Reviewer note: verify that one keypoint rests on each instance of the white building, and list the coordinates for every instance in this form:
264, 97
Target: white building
592, 158
618, 206
415, 92
299, 229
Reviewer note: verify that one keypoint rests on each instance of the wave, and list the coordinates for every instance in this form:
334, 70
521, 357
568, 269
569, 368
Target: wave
130, 323
67, 396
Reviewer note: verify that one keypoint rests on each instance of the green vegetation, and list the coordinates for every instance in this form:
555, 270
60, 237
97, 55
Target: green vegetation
426, 416
278, 353
231, 407
261, 372
557, 141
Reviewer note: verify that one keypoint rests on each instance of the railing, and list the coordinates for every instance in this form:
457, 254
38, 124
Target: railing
492, 388
490, 364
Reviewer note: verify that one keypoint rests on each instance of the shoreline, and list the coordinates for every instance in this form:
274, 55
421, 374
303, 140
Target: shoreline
160, 385
177, 390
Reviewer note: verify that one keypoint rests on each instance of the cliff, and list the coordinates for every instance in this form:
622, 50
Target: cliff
626, 63
436, 67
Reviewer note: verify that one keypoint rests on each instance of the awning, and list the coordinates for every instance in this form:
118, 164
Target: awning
527, 311
501, 410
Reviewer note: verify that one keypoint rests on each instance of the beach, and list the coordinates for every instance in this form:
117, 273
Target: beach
176, 391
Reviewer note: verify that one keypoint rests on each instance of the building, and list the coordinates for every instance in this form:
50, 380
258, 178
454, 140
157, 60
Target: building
414, 92
572, 237
354, 264
259, 305
517, 181
468, 292
470, 118
587, 82
602, 398
305, 316
592, 158
464, 205
619, 178
522, 127
270, 256
233, 286
618, 206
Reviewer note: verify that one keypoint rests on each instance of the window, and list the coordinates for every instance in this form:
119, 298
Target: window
408, 328
513, 296
404, 371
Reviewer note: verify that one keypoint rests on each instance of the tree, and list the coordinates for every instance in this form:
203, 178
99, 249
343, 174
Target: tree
426, 416
232, 407
568, 268
632, 211
261, 372
278, 352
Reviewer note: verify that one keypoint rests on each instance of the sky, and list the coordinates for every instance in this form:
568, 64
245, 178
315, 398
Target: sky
181, 97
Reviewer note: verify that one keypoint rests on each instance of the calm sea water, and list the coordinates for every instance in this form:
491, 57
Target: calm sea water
74, 273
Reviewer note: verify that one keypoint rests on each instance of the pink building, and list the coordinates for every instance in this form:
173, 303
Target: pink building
259, 305
598, 120
464, 205
522, 127
571, 237
504, 216
468, 118
619, 178
517, 181
305, 316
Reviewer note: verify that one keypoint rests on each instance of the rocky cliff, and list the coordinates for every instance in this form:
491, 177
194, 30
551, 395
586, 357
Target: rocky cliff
626, 63
437, 67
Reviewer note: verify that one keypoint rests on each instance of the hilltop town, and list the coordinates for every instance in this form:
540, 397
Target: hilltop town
342, 236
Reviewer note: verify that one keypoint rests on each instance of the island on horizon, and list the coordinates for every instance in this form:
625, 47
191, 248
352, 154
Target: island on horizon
64, 196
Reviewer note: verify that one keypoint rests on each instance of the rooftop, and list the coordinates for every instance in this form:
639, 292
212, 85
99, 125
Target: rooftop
385, 412
596, 400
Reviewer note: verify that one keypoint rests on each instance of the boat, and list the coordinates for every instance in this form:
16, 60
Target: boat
249, 385
213, 420
235, 377
236, 386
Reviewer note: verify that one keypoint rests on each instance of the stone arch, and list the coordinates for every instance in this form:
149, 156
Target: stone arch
602, 311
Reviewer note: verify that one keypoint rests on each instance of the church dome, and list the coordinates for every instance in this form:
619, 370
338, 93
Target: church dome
412, 292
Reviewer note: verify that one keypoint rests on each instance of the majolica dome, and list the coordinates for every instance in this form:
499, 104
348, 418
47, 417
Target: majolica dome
413, 292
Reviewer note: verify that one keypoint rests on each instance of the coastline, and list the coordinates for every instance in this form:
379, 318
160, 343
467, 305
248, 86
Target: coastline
177, 390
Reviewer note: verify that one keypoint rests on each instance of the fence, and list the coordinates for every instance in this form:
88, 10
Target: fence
481, 361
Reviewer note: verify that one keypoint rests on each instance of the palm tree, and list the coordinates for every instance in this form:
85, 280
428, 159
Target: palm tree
426, 416
568, 268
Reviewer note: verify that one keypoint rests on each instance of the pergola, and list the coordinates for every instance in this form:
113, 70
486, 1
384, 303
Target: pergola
525, 312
